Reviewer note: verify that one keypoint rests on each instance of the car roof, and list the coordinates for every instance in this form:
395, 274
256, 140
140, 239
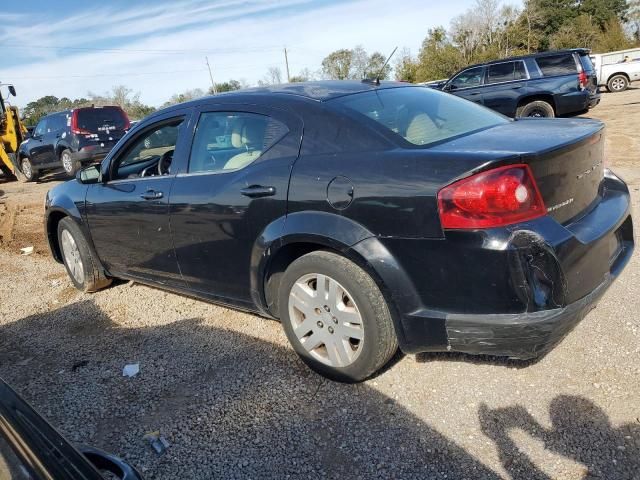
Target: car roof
323, 90
314, 91
583, 51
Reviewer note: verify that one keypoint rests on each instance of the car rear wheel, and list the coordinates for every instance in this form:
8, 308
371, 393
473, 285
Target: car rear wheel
84, 271
618, 83
27, 171
536, 109
335, 317
70, 166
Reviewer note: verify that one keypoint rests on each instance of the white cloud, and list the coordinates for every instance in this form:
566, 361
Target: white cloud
243, 38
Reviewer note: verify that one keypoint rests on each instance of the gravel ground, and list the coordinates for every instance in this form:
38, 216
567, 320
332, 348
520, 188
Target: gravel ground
233, 400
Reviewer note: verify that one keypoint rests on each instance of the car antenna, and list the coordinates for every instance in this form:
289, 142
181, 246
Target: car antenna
379, 74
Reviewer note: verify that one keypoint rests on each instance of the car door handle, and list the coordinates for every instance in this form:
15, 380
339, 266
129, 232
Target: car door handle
151, 195
257, 191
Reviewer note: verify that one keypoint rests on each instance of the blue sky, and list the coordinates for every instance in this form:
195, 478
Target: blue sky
157, 48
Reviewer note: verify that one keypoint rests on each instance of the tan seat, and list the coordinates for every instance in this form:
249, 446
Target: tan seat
421, 130
247, 134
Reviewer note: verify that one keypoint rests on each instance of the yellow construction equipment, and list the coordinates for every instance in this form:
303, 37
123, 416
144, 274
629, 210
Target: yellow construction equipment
12, 134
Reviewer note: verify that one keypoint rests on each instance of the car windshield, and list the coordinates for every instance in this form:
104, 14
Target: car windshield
420, 115
97, 119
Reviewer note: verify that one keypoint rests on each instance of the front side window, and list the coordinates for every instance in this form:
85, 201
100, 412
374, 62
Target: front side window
226, 141
557, 65
151, 154
41, 128
468, 78
421, 116
506, 72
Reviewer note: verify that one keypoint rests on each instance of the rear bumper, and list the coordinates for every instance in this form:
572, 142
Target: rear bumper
90, 155
515, 291
526, 335
594, 99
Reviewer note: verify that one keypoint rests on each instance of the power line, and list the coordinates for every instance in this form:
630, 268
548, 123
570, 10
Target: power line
130, 74
140, 50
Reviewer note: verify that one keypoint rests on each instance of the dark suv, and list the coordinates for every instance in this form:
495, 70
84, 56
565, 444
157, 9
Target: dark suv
72, 138
542, 85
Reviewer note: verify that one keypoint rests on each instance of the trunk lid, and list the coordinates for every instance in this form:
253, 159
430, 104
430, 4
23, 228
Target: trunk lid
566, 157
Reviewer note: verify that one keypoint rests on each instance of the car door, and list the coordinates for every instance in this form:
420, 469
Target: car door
39, 152
467, 84
235, 185
128, 211
505, 84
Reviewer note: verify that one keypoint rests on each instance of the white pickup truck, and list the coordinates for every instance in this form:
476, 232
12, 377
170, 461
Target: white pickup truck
616, 70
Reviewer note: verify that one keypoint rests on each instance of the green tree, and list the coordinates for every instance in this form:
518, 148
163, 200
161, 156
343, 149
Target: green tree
229, 86
438, 57
581, 32
614, 37
337, 65
601, 11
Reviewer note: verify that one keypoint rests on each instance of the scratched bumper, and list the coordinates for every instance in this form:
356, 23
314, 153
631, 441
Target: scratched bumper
521, 336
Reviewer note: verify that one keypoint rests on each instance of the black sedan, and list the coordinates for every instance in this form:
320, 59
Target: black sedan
364, 217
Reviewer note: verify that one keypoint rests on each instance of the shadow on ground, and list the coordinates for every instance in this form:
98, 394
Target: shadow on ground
580, 431
234, 406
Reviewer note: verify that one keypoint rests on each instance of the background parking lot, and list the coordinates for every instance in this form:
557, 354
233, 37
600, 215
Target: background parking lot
234, 401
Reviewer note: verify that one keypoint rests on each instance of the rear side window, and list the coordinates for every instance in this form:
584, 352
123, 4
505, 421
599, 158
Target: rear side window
57, 123
506, 72
587, 65
420, 115
97, 119
227, 141
557, 65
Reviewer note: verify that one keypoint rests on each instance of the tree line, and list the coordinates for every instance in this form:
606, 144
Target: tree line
487, 31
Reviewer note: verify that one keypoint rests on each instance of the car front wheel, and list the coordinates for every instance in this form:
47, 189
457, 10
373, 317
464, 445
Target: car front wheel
28, 173
84, 271
335, 317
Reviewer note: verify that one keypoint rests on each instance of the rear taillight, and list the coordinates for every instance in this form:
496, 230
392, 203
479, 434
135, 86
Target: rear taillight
583, 79
74, 125
494, 198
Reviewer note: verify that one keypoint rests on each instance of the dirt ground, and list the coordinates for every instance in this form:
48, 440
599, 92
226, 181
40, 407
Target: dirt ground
232, 399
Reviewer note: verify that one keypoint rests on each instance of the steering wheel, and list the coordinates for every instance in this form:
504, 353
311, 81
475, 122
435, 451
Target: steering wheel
164, 164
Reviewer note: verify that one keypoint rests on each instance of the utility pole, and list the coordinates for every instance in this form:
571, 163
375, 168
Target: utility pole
286, 61
213, 85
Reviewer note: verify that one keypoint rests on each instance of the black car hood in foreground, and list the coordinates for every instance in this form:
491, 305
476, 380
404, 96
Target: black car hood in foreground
566, 157
44, 452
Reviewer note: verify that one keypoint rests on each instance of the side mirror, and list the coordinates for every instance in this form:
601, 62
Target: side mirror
12, 90
448, 87
88, 175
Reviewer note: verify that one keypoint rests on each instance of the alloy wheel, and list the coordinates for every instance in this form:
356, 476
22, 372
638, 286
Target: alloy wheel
27, 170
72, 256
326, 320
67, 164
617, 84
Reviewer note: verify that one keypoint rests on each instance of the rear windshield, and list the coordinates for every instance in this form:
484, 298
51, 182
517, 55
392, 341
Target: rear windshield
421, 115
557, 64
97, 119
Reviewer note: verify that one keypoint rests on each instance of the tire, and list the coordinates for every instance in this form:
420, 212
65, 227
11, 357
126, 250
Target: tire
28, 174
358, 300
618, 83
536, 109
70, 166
82, 268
